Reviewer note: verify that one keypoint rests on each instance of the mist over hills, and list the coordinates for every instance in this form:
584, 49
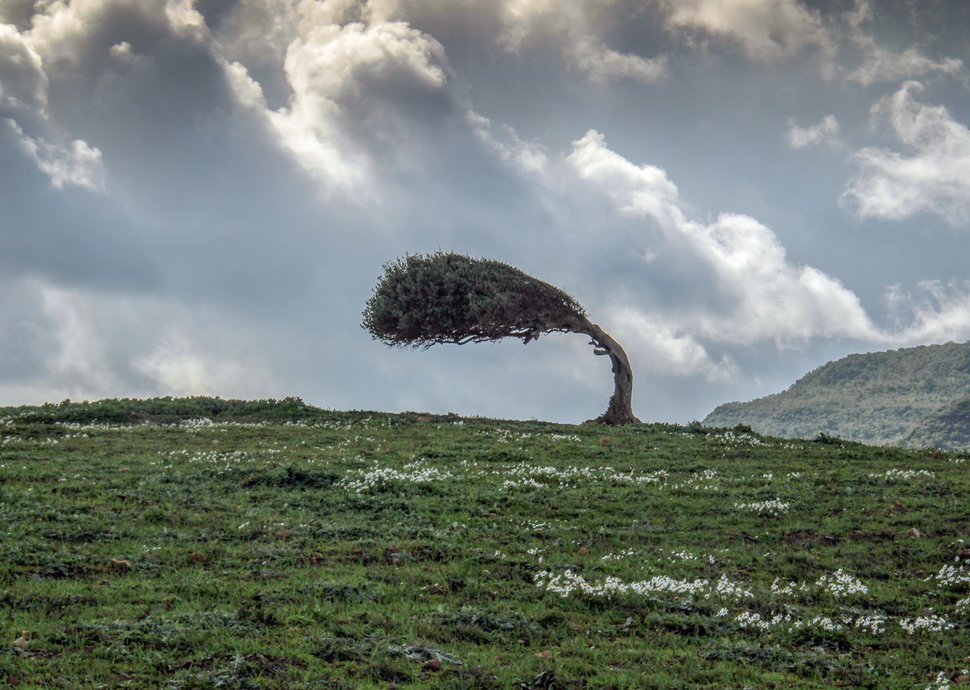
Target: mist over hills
916, 397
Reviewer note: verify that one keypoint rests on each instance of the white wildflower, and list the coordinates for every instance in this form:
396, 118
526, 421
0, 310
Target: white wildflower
931, 623
774, 506
841, 584
895, 475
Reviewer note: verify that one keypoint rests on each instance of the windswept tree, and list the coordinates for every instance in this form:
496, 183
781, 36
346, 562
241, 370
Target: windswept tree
427, 300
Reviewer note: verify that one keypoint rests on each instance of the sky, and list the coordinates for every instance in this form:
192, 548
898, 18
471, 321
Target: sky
197, 197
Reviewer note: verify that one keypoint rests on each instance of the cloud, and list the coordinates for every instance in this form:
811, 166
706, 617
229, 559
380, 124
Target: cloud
938, 312
24, 87
61, 32
336, 71
601, 64
661, 348
80, 363
76, 164
882, 65
579, 38
825, 132
932, 176
177, 366
83, 345
765, 31
528, 157
752, 292
23, 82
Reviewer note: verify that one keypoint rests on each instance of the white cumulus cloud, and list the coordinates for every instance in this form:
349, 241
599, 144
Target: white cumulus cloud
660, 347
930, 175
74, 164
507, 145
882, 65
601, 64
24, 87
765, 31
23, 82
332, 64
938, 312
825, 132
759, 294
580, 40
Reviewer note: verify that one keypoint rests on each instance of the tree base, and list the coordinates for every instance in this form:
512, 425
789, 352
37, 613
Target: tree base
614, 418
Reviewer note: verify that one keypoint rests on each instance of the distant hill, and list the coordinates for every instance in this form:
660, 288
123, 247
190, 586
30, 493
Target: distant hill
948, 427
918, 397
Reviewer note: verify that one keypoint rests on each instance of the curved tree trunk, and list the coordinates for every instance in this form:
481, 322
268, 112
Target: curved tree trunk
620, 410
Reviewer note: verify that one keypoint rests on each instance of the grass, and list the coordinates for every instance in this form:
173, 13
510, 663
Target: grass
289, 547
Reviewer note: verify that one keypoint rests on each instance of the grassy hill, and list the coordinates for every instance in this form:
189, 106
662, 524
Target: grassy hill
222, 544
948, 427
879, 398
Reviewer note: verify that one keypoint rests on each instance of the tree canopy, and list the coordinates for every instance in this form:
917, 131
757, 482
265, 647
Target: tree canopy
451, 298
425, 300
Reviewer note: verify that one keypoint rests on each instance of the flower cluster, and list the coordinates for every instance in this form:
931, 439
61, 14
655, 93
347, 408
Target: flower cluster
942, 681
951, 575
93, 426
726, 588
789, 589
773, 506
529, 476
840, 584
418, 472
629, 553
683, 556
874, 623
527, 483
931, 623
730, 438
569, 582
705, 480
895, 475
572, 438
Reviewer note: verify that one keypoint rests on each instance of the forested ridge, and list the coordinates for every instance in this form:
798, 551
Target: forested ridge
916, 396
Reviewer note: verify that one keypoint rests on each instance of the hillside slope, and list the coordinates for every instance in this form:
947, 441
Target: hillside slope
879, 398
272, 545
948, 428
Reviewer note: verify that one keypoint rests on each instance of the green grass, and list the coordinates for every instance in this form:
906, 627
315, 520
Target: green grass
356, 550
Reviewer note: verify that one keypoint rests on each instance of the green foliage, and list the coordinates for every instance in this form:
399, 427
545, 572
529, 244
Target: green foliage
165, 410
947, 428
425, 300
326, 549
910, 397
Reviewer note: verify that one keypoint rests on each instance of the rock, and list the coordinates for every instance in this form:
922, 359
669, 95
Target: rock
432, 665
22, 643
915, 533
121, 564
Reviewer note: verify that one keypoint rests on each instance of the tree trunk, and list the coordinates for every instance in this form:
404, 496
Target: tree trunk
620, 410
